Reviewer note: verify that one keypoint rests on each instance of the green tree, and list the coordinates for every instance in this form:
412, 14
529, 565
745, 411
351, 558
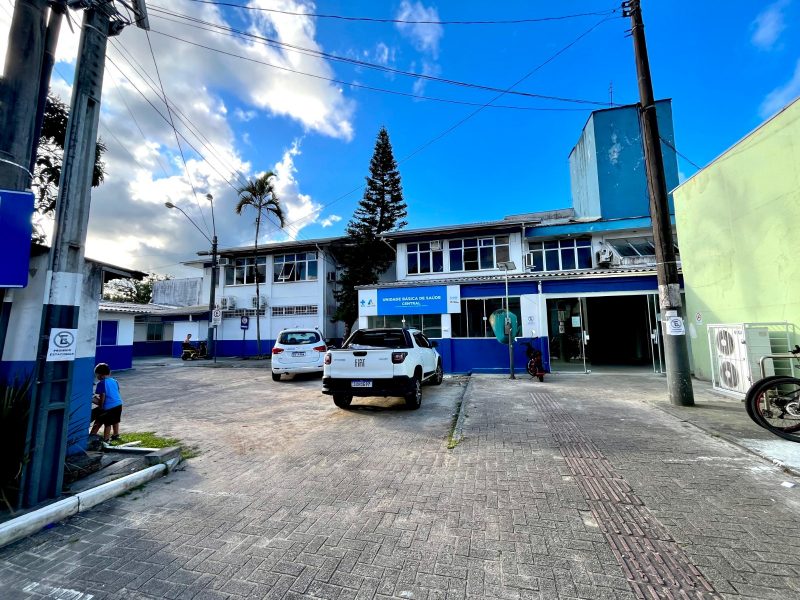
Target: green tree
364, 256
259, 194
132, 290
49, 156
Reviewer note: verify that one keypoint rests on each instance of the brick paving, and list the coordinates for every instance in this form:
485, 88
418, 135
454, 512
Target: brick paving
293, 498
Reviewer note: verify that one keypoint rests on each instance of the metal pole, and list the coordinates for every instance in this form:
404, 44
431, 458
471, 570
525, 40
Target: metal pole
211, 299
509, 334
679, 382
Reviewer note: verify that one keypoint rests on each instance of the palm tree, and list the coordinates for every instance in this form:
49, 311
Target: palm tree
259, 194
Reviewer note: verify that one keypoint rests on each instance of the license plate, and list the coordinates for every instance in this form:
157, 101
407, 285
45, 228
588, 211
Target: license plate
361, 383
298, 353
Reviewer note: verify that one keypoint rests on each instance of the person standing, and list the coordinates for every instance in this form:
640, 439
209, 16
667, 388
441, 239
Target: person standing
109, 403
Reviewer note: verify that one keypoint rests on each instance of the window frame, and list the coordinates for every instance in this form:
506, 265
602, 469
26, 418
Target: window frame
515, 305
99, 342
300, 269
415, 249
472, 252
551, 254
249, 267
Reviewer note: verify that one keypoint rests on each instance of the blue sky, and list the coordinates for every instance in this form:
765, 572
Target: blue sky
726, 65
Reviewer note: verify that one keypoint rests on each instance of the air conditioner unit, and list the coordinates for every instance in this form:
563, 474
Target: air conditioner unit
530, 260
223, 262
436, 245
736, 350
227, 303
605, 257
255, 303
331, 277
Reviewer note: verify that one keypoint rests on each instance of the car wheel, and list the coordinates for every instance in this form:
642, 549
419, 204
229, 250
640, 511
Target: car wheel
276, 376
438, 375
414, 397
342, 400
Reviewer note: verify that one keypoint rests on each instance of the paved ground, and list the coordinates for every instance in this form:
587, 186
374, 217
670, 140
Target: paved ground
579, 487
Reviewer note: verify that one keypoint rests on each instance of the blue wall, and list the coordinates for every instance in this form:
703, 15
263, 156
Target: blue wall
163, 348
117, 357
621, 170
232, 347
486, 355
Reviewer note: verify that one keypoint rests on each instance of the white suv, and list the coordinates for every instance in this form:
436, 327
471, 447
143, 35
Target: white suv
298, 351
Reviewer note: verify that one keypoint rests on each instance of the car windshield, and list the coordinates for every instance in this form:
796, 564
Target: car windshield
298, 338
380, 338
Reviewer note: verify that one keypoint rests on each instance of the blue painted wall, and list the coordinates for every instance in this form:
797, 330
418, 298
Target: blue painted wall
163, 348
232, 347
607, 165
116, 357
486, 355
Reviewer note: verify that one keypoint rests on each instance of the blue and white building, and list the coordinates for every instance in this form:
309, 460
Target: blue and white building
583, 283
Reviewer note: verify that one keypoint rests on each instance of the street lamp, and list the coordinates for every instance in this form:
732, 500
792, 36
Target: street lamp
213, 241
509, 266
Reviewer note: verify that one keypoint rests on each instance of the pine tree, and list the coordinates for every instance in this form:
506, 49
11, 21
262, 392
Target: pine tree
365, 256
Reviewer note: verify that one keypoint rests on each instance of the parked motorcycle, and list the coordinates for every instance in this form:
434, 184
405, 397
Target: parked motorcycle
535, 365
192, 353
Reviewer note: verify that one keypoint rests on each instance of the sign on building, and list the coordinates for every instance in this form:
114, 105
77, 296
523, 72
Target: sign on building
63, 344
427, 300
16, 209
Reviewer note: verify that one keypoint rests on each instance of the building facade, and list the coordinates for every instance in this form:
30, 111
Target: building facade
736, 220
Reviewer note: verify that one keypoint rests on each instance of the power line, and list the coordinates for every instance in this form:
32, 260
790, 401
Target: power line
230, 31
683, 156
174, 130
358, 85
404, 21
475, 112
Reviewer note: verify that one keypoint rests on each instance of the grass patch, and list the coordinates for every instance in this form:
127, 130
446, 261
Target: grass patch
149, 439
451, 441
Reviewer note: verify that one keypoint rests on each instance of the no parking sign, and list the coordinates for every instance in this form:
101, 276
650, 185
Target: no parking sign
244, 322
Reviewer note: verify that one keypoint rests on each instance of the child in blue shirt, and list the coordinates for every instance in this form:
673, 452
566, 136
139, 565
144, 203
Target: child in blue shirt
109, 403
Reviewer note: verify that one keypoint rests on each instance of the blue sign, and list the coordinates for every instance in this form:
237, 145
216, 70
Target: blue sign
16, 209
413, 301
244, 322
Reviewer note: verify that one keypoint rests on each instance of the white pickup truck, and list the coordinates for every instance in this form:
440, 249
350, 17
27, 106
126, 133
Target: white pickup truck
381, 362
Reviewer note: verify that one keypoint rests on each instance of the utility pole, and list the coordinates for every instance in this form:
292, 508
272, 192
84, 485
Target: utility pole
46, 441
679, 382
19, 90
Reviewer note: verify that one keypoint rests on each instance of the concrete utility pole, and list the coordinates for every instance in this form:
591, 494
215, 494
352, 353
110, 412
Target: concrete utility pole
19, 90
46, 443
679, 381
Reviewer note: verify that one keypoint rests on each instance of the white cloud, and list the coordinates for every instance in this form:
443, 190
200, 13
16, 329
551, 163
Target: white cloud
328, 221
782, 95
424, 36
129, 224
383, 55
768, 25
428, 68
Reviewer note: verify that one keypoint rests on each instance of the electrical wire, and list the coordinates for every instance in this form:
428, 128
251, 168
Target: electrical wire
362, 86
403, 21
478, 110
175, 131
232, 32
683, 156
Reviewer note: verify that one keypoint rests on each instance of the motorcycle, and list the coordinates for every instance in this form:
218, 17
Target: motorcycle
192, 353
535, 365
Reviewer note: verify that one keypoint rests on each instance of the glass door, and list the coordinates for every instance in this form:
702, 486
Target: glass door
656, 335
566, 319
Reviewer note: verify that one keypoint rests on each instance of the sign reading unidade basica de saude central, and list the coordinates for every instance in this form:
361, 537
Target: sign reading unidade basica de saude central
426, 300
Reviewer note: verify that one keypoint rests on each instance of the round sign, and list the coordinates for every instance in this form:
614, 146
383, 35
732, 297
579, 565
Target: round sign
245, 320
64, 339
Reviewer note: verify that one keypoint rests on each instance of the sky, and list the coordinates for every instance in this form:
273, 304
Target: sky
309, 108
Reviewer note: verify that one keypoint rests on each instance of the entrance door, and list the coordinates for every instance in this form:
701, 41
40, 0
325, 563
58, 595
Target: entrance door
566, 320
656, 335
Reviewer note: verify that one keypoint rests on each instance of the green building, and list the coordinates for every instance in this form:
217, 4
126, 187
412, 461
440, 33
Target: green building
738, 223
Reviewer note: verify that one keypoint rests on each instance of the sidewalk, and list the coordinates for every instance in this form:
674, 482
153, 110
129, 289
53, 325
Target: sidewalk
222, 362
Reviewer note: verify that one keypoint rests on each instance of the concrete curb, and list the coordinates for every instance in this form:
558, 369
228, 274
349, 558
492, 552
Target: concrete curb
458, 430
728, 438
28, 524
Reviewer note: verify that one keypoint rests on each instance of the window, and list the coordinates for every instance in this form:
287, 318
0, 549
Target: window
478, 254
473, 320
423, 258
295, 267
639, 246
297, 338
377, 338
295, 311
561, 255
155, 332
245, 270
430, 325
107, 333
421, 340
